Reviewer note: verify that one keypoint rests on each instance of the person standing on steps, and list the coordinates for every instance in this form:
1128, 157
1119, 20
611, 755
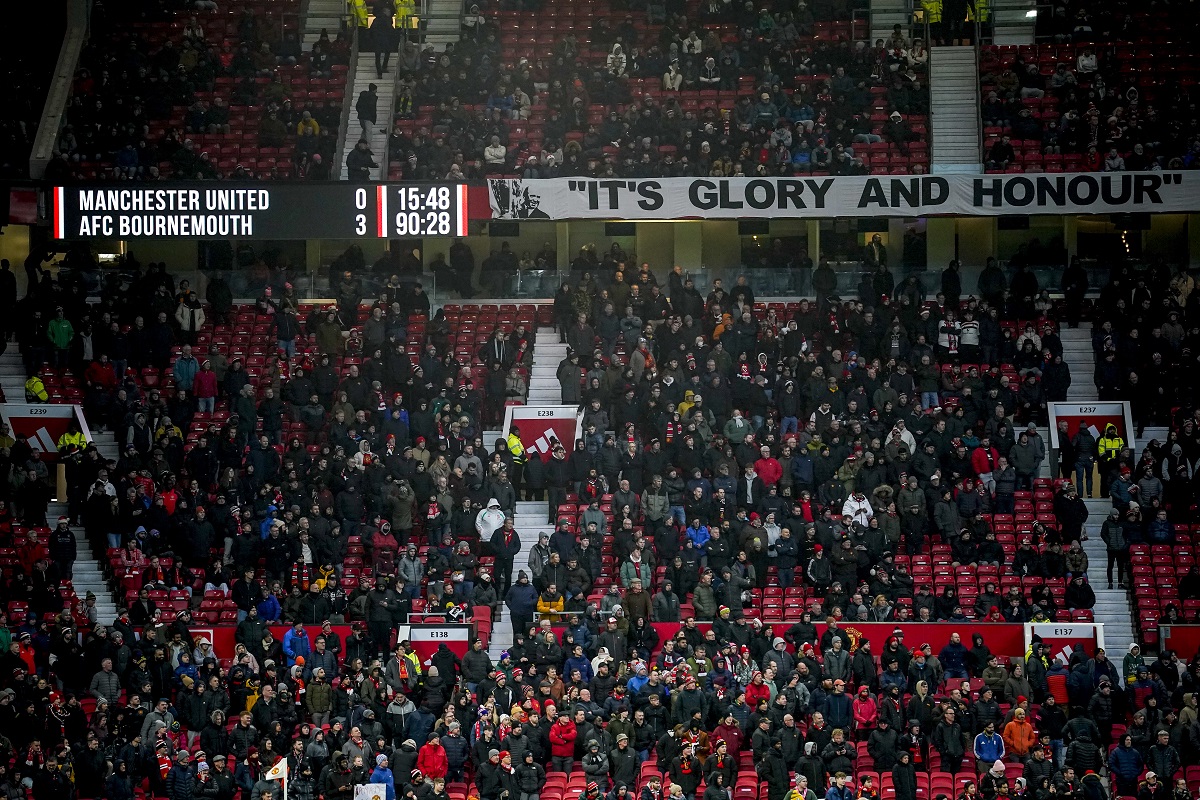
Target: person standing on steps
506, 544
383, 36
64, 548
367, 108
521, 600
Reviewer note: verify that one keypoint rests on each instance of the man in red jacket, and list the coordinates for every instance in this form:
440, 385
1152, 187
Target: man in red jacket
983, 460
431, 760
768, 467
562, 744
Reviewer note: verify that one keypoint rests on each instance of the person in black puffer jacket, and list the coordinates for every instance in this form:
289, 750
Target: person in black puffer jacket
489, 777
181, 781
1037, 767
404, 760
457, 749
529, 777
476, 665
1084, 755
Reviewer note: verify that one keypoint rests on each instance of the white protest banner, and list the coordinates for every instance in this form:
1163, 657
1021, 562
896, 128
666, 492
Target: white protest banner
846, 196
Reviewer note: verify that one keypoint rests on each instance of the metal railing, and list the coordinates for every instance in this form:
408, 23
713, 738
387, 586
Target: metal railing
307, 284
335, 170
978, 39
79, 13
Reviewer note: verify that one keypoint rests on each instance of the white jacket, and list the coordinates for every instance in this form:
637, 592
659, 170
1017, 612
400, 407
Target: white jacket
858, 506
489, 520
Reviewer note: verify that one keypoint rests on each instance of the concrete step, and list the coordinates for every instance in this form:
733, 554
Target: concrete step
948, 167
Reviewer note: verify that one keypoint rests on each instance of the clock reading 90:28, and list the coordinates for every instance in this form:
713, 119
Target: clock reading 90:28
416, 223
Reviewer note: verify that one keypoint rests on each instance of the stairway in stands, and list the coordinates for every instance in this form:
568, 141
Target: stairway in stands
954, 109
377, 135
887, 13
544, 389
1113, 607
529, 521
89, 570
443, 22
1078, 356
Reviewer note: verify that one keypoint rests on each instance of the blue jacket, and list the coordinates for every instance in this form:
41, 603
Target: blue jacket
1159, 531
457, 750
897, 678
1125, 762
989, 748
582, 664
802, 468
296, 645
185, 372
188, 669
954, 658
699, 536
264, 527
521, 600
839, 710
269, 609
384, 775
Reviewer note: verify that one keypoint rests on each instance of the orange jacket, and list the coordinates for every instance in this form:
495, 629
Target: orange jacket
1019, 737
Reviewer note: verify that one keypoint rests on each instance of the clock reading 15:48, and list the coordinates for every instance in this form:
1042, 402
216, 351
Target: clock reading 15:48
421, 210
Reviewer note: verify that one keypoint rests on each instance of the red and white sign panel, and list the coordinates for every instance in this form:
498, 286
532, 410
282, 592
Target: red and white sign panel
42, 425
1060, 638
1095, 415
1183, 639
539, 425
425, 638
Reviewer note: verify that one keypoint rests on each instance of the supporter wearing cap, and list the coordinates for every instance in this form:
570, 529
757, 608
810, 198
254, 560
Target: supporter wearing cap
431, 759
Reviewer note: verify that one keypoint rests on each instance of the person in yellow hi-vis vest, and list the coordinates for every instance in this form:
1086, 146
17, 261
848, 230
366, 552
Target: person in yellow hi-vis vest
406, 15
358, 10
978, 11
73, 441
70, 455
932, 10
405, 649
35, 389
517, 450
1109, 449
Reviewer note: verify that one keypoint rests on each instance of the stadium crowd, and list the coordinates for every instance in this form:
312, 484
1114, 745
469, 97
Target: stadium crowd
163, 93
1109, 89
731, 452
663, 91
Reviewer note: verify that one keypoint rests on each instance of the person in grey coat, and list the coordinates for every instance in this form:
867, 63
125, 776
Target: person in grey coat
664, 606
1025, 458
569, 379
595, 764
837, 660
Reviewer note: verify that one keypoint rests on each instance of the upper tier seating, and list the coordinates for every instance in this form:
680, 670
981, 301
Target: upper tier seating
571, 88
1093, 101
204, 95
